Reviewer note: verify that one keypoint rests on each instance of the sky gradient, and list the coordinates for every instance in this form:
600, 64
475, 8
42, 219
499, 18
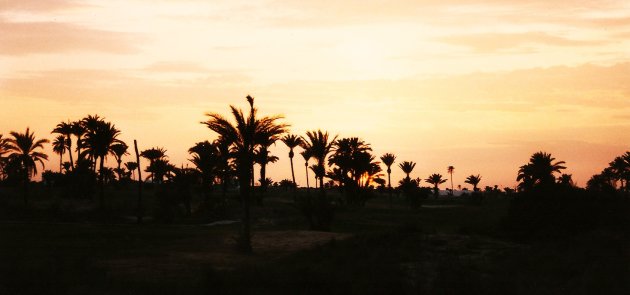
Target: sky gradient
477, 84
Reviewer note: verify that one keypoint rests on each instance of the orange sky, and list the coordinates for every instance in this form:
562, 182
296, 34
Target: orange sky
477, 84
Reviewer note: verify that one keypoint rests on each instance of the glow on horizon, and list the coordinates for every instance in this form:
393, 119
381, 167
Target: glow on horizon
479, 86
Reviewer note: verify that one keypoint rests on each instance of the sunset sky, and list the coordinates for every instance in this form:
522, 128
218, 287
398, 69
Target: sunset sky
477, 84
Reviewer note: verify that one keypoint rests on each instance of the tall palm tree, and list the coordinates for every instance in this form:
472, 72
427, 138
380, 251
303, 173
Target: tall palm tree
243, 137
99, 142
474, 181
450, 170
59, 147
119, 150
539, 172
320, 145
435, 179
23, 148
389, 159
292, 141
306, 154
65, 129
407, 167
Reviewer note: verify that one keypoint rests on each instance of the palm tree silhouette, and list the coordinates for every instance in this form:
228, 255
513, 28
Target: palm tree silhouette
320, 145
98, 142
292, 141
23, 148
132, 166
262, 155
244, 136
389, 159
59, 147
306, 154
435, 179
119, 150
450, 170
4, 148
152, 155
66, 129
205, 156
539, 171
78, 129
407, 167
474, 181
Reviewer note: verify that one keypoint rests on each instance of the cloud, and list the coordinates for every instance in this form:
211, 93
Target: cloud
22, 38
176, 67
494, 42
38, 5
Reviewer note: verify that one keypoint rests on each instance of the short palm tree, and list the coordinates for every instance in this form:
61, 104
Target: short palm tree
306, 154
435, 179
205, 157
132, 166
59, 147
539, 172
320, 145
153, 154
292, 141
24, 151
450, 170
66, 129
119, 150
243, 136
407, 167
474, 181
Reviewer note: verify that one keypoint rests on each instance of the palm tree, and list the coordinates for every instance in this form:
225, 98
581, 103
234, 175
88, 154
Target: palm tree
23, 148
119, 150
66, 129
78, 129
306, 154
407, 167
474, 181
539, 172
435, 179
566, 180
205, 156
320, 145
153, 154
4, 148
450, 170
389, 159
132, 166
243, 136
99, 142
263, 157
292, 141
59, 147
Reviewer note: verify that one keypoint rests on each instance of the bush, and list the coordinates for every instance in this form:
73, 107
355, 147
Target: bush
564, 211
319, 210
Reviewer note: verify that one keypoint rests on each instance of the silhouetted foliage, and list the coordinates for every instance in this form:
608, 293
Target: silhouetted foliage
24, 155
539, 172
435, 179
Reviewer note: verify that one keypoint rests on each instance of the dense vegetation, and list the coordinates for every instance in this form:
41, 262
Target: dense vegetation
89, 228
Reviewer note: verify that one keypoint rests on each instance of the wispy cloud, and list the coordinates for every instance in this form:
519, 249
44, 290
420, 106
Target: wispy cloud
493, 42
22, 38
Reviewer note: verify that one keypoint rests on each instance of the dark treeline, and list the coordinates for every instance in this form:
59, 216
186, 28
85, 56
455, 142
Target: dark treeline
346, 165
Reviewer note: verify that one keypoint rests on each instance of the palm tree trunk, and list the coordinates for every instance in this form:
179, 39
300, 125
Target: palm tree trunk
26, 183
389, 186
452, 187
293, 178
308, 186
70, 152
263, 183
60, 162
244, 242
102, 181
139, 209
119, 174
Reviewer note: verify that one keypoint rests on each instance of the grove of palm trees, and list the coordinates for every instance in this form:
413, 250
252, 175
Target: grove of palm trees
114, 218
